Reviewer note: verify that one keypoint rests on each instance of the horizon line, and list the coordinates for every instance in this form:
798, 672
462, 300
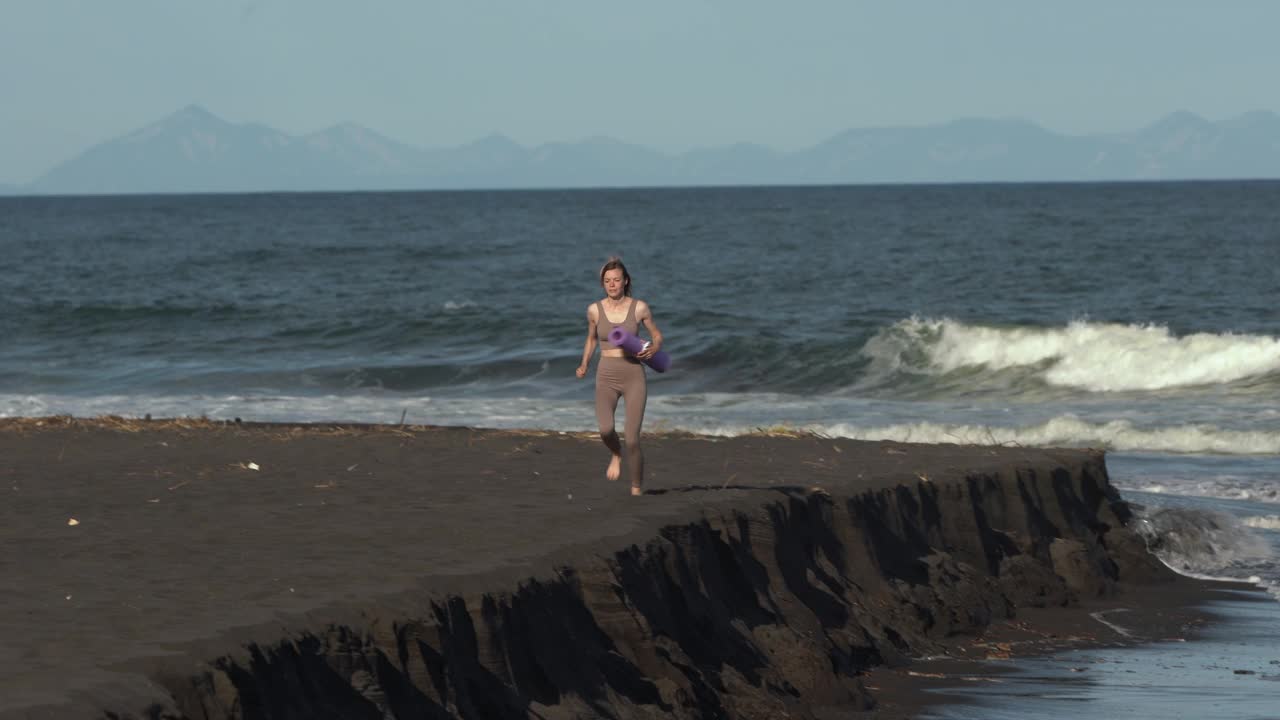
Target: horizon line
650, 188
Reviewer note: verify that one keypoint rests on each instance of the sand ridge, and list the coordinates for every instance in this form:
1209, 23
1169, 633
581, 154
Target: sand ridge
191, 537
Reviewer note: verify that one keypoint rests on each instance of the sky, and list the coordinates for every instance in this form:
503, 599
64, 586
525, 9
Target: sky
669, 74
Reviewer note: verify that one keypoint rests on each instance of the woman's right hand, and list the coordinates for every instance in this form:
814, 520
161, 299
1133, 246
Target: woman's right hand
581, 371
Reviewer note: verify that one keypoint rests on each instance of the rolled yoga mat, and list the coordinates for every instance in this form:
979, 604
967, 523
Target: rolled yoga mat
632, 344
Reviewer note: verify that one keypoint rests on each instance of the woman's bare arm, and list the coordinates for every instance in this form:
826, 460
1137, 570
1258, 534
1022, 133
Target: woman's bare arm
589, 346
645, 316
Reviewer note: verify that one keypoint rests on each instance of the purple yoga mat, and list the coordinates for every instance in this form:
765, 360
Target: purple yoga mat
632, 344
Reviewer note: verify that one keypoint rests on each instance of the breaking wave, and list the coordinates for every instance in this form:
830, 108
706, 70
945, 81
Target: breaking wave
1098, 357
1205, 543
1263, 522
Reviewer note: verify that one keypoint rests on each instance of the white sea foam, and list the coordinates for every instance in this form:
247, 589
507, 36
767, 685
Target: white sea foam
1264, 522
516, 412
1061, 431
1223, 488
1100, 357
1256, 580
723, 416
1211, 490
1072, 431
1206, 543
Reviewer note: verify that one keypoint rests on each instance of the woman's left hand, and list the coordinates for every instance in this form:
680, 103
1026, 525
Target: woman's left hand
648, 352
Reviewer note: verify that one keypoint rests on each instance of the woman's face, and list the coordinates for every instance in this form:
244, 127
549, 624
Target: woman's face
613, 284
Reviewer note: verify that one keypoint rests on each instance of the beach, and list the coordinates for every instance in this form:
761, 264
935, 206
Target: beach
190, 568
848, 516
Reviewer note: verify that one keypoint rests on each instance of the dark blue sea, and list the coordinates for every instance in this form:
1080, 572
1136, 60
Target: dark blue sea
1141, 318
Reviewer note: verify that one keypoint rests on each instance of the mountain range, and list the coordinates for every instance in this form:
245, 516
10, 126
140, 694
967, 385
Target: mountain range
194, 151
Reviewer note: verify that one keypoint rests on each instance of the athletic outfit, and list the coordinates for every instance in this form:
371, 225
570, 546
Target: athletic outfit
621, 377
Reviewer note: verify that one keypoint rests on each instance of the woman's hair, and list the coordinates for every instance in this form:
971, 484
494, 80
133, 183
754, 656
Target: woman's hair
616, 264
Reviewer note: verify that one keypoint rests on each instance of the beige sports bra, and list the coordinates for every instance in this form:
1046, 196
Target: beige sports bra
604, 324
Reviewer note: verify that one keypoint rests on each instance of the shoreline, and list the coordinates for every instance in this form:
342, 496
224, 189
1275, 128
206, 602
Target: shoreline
785, 569
1174, 617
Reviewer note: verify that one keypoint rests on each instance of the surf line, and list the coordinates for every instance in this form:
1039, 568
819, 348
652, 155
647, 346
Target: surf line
1099, 617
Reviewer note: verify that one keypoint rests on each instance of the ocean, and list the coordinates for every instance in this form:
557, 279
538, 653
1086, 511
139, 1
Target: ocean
1140, 318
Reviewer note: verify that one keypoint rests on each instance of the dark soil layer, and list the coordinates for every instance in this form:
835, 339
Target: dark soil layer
420, 572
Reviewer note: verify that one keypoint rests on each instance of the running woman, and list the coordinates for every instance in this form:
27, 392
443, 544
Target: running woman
619, 375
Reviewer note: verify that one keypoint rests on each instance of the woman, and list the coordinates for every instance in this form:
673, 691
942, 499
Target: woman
619, 374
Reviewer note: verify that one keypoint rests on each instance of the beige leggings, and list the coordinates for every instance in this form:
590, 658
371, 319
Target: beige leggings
622, 377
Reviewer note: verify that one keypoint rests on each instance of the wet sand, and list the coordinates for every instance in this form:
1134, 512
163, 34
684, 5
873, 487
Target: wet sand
1152, 652
132, 548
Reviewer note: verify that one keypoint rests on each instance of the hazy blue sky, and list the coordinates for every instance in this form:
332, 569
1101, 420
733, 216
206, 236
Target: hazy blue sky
672, 75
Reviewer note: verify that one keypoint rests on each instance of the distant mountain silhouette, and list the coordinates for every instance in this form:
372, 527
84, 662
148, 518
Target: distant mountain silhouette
196, 151
193, 150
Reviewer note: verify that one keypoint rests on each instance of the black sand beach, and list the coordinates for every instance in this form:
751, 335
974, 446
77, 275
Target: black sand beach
270, 571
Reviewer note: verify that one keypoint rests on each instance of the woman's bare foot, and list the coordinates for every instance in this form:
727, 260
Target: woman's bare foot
636, 490
614, 471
